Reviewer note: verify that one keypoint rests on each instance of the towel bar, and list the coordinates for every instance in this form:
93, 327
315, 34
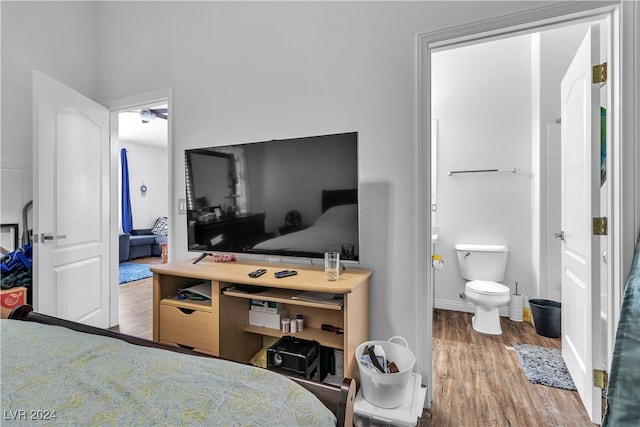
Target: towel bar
512, 170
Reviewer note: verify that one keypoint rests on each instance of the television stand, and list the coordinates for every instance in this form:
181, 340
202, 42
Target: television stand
220, 326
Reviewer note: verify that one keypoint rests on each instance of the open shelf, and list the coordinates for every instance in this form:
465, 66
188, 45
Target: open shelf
284, 296
327, 339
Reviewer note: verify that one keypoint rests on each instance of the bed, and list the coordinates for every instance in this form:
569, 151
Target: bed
67, 373
337, 225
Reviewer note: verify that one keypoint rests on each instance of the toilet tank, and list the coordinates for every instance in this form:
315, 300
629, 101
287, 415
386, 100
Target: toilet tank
482, 262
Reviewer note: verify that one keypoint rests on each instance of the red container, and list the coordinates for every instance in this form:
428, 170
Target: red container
10, 299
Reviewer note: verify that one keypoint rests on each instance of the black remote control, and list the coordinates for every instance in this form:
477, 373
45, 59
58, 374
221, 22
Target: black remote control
259, 272
284, 273
201, 257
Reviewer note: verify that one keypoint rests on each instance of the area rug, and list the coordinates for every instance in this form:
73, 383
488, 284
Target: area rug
131, 271
544, 366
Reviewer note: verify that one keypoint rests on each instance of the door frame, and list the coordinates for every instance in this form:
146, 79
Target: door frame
115, 107
623, 201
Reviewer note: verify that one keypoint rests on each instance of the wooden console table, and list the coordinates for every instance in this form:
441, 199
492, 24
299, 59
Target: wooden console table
220, 326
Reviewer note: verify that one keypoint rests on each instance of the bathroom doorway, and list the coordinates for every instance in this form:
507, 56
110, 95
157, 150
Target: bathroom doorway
496, 157
508, 33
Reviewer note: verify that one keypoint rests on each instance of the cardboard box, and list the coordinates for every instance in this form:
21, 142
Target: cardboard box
266, 320
10, 299
267, 306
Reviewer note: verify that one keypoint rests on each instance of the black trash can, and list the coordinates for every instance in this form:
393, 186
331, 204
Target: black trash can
546, 317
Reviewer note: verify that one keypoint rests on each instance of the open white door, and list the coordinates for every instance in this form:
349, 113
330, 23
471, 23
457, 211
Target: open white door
581, 335
71, 204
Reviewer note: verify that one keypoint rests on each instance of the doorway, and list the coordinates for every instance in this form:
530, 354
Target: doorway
500, 117
430, 44
142, 126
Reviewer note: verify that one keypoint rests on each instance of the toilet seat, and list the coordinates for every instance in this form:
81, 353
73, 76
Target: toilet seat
486, 287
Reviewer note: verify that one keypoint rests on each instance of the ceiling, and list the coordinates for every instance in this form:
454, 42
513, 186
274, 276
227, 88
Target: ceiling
132, 129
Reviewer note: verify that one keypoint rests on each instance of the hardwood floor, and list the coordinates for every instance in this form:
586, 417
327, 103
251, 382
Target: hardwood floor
135, 305
477, 380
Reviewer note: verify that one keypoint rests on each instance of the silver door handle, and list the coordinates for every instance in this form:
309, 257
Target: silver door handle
46, 237
559, 235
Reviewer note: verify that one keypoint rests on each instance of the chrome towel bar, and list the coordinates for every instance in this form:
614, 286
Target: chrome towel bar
512, 170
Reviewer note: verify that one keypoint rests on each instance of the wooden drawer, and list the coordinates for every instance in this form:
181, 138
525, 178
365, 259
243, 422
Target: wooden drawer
190, 328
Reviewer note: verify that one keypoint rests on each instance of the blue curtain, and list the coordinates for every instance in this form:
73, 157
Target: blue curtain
127, 217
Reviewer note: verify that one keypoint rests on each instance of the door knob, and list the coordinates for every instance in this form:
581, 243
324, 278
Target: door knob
559, 235
46, 236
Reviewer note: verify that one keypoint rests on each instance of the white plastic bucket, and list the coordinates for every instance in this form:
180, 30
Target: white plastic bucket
387, 390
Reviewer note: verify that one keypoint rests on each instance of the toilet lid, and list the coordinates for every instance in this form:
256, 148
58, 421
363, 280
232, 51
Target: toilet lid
487, 287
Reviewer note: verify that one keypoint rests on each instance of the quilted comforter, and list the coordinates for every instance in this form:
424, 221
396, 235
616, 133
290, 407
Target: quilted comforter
52, 375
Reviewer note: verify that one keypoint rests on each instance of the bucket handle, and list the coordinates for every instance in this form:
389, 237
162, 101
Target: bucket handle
402, 340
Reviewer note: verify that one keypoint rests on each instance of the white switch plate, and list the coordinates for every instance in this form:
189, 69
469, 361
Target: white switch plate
182, 206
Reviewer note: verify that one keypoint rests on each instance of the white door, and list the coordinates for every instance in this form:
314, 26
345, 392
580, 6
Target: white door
581, 339
71, 204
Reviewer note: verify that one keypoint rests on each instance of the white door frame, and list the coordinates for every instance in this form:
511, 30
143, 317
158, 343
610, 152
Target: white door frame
115, 107
624, 200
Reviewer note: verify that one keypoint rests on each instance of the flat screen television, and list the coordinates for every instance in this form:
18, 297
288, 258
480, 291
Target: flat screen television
280, 198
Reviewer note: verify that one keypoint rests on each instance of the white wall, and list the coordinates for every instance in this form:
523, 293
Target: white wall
483, 103
252, 71
255, 71
58, 39
148, 166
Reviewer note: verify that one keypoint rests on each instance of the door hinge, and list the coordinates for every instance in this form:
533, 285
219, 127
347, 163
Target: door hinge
600, 226
600, 73
600, 378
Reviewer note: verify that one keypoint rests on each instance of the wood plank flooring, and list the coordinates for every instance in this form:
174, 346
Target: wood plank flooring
135, 305
477, 381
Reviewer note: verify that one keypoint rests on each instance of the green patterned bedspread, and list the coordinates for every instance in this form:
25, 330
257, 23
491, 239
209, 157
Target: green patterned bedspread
51, 375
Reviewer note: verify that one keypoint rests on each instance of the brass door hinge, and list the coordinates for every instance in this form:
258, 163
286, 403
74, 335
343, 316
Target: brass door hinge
600, 226
600, 378
600, 73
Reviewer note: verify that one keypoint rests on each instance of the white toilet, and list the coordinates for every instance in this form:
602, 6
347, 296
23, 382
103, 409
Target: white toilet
484, 267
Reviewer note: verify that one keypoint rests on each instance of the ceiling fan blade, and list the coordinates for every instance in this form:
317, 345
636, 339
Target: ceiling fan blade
160, 113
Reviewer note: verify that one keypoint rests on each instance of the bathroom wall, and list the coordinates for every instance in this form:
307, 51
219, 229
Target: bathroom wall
553, 277
482, 100
490, 117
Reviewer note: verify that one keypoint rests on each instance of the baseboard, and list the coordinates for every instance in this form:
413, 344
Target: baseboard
466, 307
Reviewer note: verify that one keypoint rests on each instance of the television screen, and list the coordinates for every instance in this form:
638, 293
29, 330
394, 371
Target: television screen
285, 198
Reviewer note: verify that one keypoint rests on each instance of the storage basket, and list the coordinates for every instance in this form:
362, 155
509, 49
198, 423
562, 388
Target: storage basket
386, 390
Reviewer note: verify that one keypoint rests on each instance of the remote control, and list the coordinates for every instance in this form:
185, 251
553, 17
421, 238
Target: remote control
201, 257
259, 272
284, 273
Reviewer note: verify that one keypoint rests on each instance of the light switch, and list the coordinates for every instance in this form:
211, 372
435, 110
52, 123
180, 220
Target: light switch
182, 206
